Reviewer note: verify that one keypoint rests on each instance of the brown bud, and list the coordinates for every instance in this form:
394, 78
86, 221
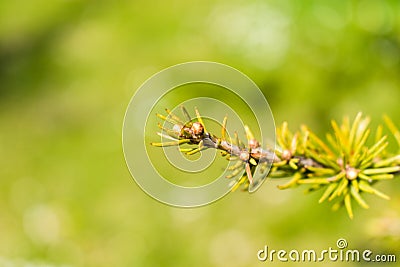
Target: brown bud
286, 154
197, 128
253, 143
186, 132
351, 173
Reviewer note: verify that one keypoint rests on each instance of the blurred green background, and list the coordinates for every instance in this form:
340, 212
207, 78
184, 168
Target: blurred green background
68, 70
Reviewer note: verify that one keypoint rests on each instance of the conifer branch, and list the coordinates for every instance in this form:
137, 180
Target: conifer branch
344, 166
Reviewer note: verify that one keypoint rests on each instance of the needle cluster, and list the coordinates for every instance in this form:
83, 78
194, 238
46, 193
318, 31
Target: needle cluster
344, 166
